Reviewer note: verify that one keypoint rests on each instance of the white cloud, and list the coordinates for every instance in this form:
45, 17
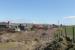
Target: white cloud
70, 17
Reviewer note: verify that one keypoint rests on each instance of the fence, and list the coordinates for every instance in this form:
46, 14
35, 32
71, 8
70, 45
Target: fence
66, 31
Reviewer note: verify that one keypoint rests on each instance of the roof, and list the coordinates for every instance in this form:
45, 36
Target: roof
3, 23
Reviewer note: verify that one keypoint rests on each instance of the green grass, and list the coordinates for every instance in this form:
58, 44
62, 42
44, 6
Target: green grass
69, 31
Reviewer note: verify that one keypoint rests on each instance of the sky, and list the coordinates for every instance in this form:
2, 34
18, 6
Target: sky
38, 11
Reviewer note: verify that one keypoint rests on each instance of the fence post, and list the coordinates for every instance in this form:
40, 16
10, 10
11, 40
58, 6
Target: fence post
61, 29
61, 32
65, 32
73, 35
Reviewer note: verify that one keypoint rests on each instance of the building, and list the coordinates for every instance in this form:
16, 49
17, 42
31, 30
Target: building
4, 25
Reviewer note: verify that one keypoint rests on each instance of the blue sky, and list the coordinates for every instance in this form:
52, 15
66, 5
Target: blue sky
38, 11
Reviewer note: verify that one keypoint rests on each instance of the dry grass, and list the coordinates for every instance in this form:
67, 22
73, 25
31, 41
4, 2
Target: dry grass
25, 40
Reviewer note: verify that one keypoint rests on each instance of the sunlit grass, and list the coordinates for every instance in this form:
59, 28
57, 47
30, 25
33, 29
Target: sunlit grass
8, 45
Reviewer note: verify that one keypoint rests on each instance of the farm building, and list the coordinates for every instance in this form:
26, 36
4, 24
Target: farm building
21, 26
4, 25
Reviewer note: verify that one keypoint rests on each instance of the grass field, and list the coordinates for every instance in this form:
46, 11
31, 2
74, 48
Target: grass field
69, 31
28, 40
31, 40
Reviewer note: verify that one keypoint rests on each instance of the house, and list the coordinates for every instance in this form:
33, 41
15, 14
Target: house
4, 25
14, 27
